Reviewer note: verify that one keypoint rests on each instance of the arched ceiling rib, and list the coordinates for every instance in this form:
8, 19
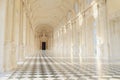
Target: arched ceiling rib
47, 12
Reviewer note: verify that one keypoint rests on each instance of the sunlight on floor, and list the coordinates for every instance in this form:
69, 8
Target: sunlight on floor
41, 67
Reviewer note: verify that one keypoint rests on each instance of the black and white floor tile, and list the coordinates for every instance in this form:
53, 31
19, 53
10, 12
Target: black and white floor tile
42, 67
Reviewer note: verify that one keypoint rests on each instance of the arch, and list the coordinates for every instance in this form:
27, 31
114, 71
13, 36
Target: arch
43, 26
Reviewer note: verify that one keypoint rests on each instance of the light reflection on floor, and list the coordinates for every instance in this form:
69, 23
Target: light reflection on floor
42, 67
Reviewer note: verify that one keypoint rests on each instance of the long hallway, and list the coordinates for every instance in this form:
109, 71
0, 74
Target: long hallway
43, 67
59, 39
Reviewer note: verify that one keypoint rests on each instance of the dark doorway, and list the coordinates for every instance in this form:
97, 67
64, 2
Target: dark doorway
43, 45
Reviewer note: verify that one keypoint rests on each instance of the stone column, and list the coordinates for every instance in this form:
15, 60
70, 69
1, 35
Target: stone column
71, 43
77, 38
21, 33
3, 9
84, 37
73, 38
102, 40
28, 38
24, 33
9, 53
16, 31
13, 36
63, 44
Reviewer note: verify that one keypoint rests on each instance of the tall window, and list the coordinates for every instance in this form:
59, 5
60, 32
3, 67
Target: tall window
88, 1
76, 7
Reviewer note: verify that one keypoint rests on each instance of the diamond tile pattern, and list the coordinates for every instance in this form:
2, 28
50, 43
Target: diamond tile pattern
42, 67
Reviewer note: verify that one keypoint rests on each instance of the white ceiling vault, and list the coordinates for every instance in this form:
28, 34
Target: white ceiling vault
47, 12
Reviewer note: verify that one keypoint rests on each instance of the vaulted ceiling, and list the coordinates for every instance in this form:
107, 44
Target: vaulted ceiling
47, 12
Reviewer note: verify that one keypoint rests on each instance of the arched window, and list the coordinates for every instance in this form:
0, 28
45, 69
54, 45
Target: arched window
88, 1
76, 7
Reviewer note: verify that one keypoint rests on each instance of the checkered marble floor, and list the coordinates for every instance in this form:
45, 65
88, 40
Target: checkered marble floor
42, 67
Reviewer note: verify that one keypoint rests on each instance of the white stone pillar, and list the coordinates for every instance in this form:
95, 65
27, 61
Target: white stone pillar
21, 33
24, 33
13, 33
16, 31
9, 53
3, 8
28, 39
102, 39
84, 38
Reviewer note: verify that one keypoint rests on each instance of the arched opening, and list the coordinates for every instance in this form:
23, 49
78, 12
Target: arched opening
44, 41
44, 37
